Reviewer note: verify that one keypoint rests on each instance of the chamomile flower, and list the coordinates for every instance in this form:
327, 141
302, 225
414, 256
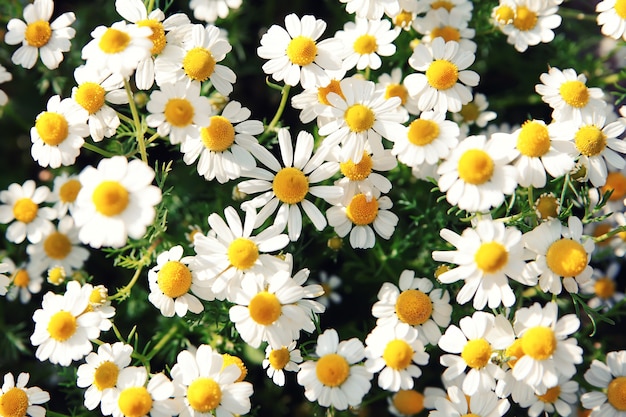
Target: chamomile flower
116, 201
450, 26
289, 185
65, 327
313, 101
603, 286
5, 280
612, 18
531, 22
65, 188
443, 79
487, 255
475, 112
18, 400
426, 140
59, 248
371, 9
177, 109
330, 284
59, 133
4, 77
393, 86
25, 281
561, 255
119, 48
406, 402
138, 395
480, 404
225, 146
568, 95
365, 41
197, 59
416, 303
207, 387
210, 10
476, 175
609, 379
100, 372
21, 207
335, 378
229, 251
548, 353
172, 283
40, 37
430, 7
279, 360
561, 399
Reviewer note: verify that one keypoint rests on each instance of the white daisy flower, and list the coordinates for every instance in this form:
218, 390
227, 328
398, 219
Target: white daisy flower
457, 404
562, 255
471, 345
118, 49
313, 101
196, 59
476, 175
279, 360
177, 109
528, 22
116, 201
449, 25
65, 188
406, 402
4, 77
139, 396
172, 282
20, 207
40, 37
17, 399
59, 248
335, 378
416, 303
210, 10
225, 146
94, 90
548, 352
25, 281
566, 92
59, 133
603, 286
99, 373
65, 327
561, 398
475, 112
443, 86
463, 7
330, 285
487, 255
507, 385
393, 86
207, 387
229, 251
294, 54
365, 41
289, 185
610, 380
362, 115
612, 18
371, 9
426, 140
5, 281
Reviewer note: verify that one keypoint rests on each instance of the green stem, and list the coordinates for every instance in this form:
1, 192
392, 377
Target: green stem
152, 138
150, 6
95, 149
609, 234
166, 338
281, 108
124, 292
125, 118
141, 144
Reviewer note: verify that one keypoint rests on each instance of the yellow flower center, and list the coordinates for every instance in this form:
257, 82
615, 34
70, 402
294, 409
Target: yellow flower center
442, 74
199, 64
365, 44
110, 198
547, 206
332, 370
448, 33
158, 34
69, 191
219, 135
616, 393
332, 87
397, 90
475, 167
533, 139
398, 354
135, 402
504, 15
359, 171
620, 8
551, 395
98, 295
62, 326
279, 358
106, 375
362, 212
470, 415
615, 181
408, 402
290, 185
264, 308
413, 307
242, 253
204, 395
566, 258
403, 19
422, 132
539, 342
235, 360
179, 112
174, 279
14, 403
90, 96
476, 353
514, 352
114, 41
359, 118
590, 140
574, 93
38, 33
525, 19
25, 210
469, 112
491, 257
57, 245
604, 288
52, 128
302, 50
448, 5
21, 278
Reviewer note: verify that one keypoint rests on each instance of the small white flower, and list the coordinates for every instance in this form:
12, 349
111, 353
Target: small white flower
14, 395
279, 360
611, 17
610, 380
365, 41
456, 404
24, 281
4, 77
20, 207
210, 10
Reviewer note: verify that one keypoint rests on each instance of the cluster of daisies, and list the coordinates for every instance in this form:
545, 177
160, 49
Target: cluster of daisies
522, 352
